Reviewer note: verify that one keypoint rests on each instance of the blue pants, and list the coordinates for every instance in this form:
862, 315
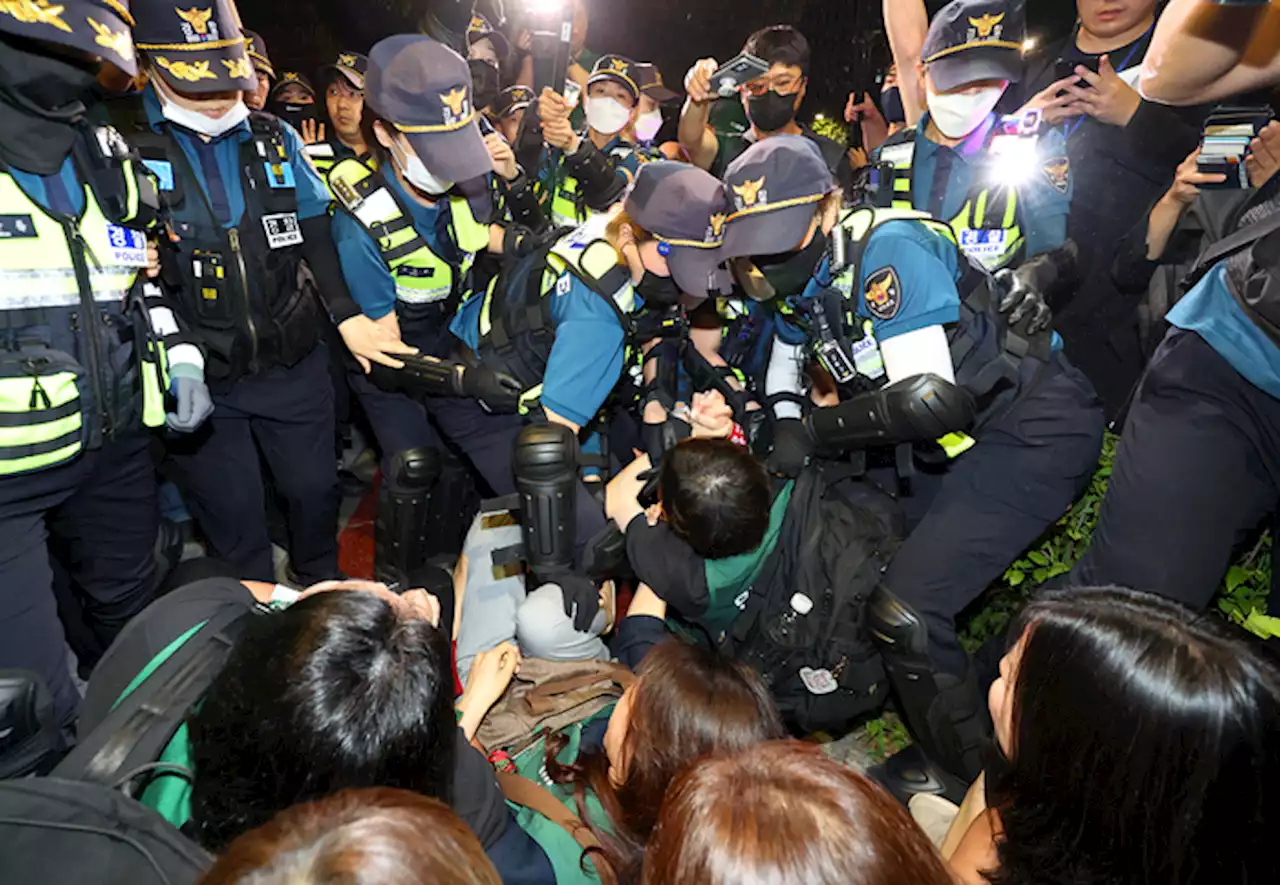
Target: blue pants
970, 521
98, 515
288, 415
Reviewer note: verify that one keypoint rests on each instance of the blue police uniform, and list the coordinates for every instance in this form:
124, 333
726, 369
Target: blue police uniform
268, 368
562, 191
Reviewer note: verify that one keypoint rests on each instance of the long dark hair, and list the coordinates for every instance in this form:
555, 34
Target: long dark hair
784, 812
1145, 747
336, 691
688, 702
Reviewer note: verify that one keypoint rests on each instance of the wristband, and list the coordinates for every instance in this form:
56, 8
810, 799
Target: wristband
739, 436
502, 761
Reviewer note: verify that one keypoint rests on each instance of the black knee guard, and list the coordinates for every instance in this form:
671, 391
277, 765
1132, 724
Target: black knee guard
400, 542
547, 477
946, 715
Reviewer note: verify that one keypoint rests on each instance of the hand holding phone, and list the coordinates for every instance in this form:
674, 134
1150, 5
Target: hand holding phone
736, 73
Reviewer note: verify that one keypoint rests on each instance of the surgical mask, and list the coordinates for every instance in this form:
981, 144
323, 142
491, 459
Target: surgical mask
416, 173
197, 122
606, 116
891, 105
647, 125
959, 113
771, 111
486, 83
654, 289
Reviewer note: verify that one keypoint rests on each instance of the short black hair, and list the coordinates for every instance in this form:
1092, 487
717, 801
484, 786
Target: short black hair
716, 496
780, 45
336, 691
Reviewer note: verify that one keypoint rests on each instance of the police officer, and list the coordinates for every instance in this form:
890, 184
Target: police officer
342, 84
247, 208
1004, 431
599, 160
407, 238
1004, 186
257, 49
88, 349
487, 51
508, 111
653, 95
293, 99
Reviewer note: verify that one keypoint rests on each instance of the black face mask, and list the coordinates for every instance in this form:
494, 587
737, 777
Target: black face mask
41, 101
771, 111
790, 272
891, 106
293, 114
486, 83
658, 290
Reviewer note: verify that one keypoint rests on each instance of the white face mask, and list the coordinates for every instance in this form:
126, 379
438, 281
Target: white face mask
647, 125
959, 113
198, 122
606, 116
417, 174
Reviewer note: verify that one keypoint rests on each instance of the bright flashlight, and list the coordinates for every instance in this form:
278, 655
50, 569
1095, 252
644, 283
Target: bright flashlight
1029, 44
818, 118
545, 7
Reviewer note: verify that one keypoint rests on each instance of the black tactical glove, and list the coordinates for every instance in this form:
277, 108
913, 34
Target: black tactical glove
1021, 300
792, 447
581, 600
497, 392
659, 438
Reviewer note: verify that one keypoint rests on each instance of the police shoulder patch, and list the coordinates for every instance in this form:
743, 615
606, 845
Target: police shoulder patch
1058, 171
883, 293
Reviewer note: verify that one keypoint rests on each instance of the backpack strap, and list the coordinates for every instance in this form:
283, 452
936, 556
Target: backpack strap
1229, 245
524, 792
563, 685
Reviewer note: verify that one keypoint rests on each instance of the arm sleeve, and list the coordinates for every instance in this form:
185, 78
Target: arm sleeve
922, 352
667, 564
181, 350
313, 195
1163, 136
925, 283
322, 256
636, 636
363, 269
586, 358
784, 375
1132, 270
1047, 203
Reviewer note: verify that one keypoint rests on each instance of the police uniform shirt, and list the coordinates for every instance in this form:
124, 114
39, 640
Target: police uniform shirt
586, 358
943, 178
217, 166
371, 283
61, 193
1211, 312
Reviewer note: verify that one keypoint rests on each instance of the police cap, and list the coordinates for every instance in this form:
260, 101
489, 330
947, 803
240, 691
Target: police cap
649, 78
293, 78
480, 29
423, 89
620, 70
512, 99
774, 188
98, 27
684, 207
352, 66
195, 49
257, 49
974, 40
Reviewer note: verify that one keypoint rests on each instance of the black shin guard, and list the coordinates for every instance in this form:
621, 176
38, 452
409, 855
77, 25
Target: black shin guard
400, 541
547, 475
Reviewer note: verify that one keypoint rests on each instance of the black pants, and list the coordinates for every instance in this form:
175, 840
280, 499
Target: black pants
100, 512
288, 413
1197, 470
971, 521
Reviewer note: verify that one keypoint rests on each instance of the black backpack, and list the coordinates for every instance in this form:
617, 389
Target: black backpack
837, 537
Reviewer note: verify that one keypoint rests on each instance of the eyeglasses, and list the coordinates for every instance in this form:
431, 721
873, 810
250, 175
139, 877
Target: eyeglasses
781, 85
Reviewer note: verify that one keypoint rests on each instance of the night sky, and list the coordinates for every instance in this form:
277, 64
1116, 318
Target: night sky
849, 47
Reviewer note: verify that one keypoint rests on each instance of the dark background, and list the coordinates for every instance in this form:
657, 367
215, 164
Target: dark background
849, 47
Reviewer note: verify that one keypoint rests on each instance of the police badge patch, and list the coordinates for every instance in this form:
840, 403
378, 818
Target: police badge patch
1058, 171
883, 293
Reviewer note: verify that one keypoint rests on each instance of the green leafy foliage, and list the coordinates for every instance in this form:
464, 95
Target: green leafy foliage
832, 128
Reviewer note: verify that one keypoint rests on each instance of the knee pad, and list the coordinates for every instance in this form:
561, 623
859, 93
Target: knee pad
547, 474
400, 532
416, 468
896, 627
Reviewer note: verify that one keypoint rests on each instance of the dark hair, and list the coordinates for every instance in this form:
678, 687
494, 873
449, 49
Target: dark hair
780, 45
716, 496
334, 692
688, 702
380, 154
358, 837
784, 812
1144, 745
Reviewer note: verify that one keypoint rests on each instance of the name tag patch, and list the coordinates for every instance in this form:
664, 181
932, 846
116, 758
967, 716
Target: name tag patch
984, 245
867, 359
17, 227
163, 170
282, 230
128, 247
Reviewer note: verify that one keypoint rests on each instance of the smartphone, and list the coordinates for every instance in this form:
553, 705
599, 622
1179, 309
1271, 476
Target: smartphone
736, 73
1063, 69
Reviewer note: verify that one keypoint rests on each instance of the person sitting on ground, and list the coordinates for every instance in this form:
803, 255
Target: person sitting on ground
794, 816
1137, 743
358, 837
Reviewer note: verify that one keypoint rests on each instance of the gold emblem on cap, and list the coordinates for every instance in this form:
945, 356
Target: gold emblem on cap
749, 191
290, 77
35, 12
239, 68
348, 59
197, 18
189, 71
478, 24
118, 42
455, 100
617, 65
986, 24
717, 223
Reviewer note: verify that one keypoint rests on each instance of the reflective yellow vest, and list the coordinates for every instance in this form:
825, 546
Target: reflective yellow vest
986, 227
41, 421
421, 276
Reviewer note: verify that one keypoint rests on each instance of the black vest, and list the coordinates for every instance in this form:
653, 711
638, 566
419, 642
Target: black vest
250, 304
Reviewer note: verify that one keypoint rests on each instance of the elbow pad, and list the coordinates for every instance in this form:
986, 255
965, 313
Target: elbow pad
601, 184
522, 203
921, 408
421, 374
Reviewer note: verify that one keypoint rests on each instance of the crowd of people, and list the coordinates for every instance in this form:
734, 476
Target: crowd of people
687, 449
